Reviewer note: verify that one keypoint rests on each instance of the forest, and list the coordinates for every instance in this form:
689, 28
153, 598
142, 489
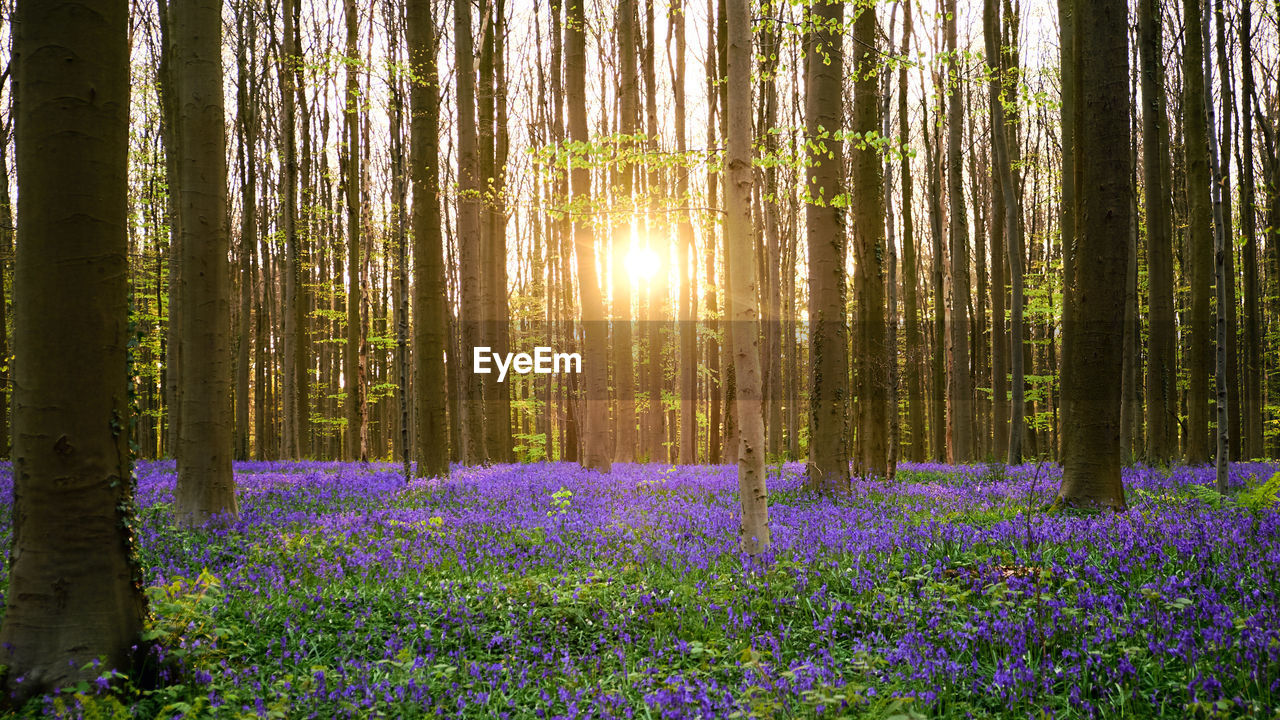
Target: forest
885, 359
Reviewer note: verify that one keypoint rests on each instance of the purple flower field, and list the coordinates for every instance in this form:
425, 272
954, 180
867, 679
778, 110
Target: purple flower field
549, 591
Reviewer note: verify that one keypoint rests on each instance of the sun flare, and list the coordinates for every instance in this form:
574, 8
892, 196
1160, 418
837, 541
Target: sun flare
643, 264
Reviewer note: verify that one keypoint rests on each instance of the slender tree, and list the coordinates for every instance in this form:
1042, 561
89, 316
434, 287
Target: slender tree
1011, 201
1091, 474
910, 275
960, 389
684, 259
1253, 368
596, 455
247, 122
742, 284
293, 379
74, 593
1162, 372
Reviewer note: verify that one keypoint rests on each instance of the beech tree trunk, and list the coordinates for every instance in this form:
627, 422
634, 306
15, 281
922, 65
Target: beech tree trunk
874, 352
1162, 370
1011, 202
1253, 340
915, 359
828, 469
1091, 474
74, 591
205, 487
961, 388
1200, 234
596, 454
429, 292
742, 284
469, 240
684, 258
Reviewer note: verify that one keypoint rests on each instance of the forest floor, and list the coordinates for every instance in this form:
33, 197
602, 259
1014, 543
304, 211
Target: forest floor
552, 592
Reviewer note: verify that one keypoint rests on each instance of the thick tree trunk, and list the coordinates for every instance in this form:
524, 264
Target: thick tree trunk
1200, 234
74, 593
828, 469
875, 354
1091, 475
205, 486
429, 292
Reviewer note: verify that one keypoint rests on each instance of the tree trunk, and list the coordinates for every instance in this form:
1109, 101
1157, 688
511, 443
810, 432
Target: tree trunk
961, 389
1091, 475
357, 410
1253, 340
1223, 310
292, 358
75, 588
596, 455
1011, 202
828, 469
469, 200
246, 105
684, 259
1162, 371
1200, 233
915, 359
875, 354
205, 487
429, 292
742, 283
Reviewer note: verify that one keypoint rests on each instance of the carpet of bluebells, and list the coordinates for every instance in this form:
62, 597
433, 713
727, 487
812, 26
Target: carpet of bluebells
547, 591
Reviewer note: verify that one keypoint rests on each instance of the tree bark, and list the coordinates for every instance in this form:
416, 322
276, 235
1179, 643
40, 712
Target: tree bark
1162, 371
1253, 340
1091, 474
596, 454
915, 359
742, 284
961, 388
75, 587
429, 292
469, 241
1200, 237
875, 354
684, 259
205, 487
1011, 202
828, 469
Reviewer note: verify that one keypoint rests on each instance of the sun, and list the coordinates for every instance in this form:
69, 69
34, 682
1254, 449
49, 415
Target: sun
643, 264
